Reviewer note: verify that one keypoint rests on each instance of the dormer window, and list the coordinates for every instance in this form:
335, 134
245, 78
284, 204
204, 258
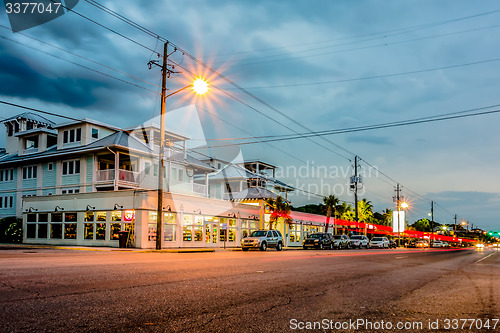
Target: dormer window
32, 142
72, 135
95, 133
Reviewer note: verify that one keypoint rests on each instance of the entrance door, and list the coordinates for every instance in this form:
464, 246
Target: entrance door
211, 233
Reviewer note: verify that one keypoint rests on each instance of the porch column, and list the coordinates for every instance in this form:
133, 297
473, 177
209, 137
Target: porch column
117, 163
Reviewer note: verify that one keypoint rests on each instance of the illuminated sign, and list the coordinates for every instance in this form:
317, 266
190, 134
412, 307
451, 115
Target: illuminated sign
398, 221
129, 215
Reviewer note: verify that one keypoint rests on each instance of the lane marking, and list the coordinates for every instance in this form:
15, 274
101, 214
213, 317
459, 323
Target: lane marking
489, 255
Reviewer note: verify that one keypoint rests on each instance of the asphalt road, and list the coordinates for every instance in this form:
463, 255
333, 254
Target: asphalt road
49, 290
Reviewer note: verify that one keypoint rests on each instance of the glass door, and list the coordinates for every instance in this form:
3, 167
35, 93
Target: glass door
211, 233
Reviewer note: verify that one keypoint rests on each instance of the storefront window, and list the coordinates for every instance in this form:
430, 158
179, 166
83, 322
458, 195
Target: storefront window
42, 230
56, 230
70, 225
152, 226
31, 218
116, 216
100, 216
198, 233
69, 230
89, 230
232, 235
187, 233
30, 230
43, 219
56, 226
169, 235
152, 231
100, 231
170, 226
115, 229
89, 216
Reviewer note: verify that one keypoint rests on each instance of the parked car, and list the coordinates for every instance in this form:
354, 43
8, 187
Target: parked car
359, 241
341, 242
319, 240
392, 244
421, 244
262, 239
379, 242
437, 243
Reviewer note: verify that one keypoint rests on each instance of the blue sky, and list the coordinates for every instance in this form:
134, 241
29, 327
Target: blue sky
323, 64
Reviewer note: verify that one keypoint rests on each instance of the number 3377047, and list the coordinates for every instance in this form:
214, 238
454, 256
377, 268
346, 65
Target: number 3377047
32, 7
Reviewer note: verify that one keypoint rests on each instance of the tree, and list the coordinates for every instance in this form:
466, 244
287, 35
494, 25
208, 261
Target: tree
422, 225
345, 212
279, 208
331, 202
365, 210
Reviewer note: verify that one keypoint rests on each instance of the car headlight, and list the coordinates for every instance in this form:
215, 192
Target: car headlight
316, 241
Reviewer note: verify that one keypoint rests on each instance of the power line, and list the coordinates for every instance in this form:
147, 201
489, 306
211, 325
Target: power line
375, 76
384, 33
81, 57
360, 129
78, 64
239, 64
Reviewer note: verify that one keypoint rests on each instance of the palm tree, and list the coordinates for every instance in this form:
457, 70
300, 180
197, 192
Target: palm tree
279, 208
345, 212
365, 210
331, 202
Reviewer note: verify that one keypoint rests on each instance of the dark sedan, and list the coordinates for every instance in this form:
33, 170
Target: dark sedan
319, 241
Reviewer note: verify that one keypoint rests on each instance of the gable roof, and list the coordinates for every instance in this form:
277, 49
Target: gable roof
30, 116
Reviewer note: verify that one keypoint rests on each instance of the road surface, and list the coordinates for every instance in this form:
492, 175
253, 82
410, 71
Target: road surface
53, 290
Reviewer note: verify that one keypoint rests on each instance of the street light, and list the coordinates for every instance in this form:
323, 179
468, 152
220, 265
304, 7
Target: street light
200, 87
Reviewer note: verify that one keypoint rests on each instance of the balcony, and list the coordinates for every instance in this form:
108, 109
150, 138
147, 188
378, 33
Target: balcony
108, 175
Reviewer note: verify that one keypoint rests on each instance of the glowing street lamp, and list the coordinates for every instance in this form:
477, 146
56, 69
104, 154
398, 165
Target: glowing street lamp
404, 205
200, 87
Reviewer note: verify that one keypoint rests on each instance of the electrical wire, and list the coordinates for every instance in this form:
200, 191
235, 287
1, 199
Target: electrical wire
77, 64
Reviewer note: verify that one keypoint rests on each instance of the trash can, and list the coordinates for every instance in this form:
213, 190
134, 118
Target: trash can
122, 239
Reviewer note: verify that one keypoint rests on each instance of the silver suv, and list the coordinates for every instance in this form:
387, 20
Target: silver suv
262, 239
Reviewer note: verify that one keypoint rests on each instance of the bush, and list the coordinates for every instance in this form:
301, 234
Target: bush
11, 230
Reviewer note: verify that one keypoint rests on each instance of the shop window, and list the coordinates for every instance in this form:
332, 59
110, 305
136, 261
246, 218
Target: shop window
198, 233
115, 229
31, 218
42, 230
116, 216
56, 230
100, 216
69, 230
169, 227
31, 230
100, 231
169, 235
152, 231
89, 216
88, 229
232, 235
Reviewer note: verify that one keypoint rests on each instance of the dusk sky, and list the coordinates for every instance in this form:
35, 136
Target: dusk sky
306, 66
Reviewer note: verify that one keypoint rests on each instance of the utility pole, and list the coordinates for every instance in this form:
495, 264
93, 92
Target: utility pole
356, 188
455, 229
398, 204
432, 223
165, 72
